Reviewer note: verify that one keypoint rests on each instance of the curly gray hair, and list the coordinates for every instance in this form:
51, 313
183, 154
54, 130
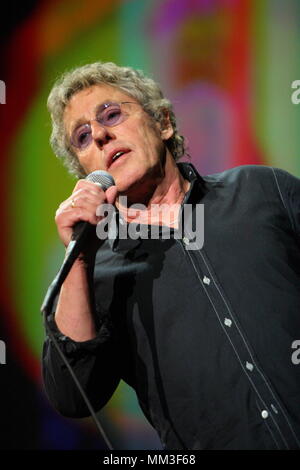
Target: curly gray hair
133, 82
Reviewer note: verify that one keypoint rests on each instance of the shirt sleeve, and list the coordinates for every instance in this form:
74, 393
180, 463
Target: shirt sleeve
289, 189
94, 362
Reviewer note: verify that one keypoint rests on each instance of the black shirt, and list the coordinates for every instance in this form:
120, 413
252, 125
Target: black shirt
203, 335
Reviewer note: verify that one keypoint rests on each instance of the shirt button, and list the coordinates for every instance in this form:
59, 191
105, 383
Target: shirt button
249, 366
228, 322
185, 240
264, 414
274, 409
206, 280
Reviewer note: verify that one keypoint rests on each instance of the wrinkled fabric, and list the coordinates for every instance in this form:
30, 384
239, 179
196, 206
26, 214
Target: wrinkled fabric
204, 336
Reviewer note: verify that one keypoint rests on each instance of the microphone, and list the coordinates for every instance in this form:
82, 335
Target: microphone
101, 177
81, 232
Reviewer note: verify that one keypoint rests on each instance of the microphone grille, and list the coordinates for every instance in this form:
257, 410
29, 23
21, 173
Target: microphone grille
101, 177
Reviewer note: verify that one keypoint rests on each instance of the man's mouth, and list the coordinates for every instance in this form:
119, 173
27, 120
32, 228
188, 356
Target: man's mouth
116, 155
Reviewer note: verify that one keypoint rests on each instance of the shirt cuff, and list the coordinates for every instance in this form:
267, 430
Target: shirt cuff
72, 347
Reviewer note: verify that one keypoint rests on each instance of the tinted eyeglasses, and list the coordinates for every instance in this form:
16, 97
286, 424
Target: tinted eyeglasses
109, 114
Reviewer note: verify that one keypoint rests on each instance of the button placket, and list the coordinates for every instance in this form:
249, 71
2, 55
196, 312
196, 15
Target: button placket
237, 339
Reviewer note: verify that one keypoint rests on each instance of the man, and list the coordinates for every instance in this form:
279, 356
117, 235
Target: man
203, 335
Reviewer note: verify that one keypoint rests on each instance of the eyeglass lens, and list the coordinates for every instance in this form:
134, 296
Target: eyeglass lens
109, 115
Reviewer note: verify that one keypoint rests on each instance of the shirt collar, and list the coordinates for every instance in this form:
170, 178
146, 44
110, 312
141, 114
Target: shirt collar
197, 188
196, 191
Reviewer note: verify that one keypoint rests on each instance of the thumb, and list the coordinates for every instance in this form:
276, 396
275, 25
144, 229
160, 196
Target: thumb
111, 194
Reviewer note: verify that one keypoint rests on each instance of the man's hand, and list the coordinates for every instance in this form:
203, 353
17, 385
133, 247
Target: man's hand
81, 206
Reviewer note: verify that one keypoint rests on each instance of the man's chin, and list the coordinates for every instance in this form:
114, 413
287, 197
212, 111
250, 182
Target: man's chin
126, 181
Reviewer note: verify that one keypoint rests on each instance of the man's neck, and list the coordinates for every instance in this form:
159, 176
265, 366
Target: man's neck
163, 205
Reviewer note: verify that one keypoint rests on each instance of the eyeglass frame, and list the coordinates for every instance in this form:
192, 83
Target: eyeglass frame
102, 107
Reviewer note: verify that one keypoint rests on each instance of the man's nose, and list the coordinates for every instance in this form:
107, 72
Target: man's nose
100, 133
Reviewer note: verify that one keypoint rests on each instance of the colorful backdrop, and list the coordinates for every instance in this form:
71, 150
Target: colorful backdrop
227, 65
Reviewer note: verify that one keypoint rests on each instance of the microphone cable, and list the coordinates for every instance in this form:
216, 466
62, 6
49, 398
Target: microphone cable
105, 180
78, 384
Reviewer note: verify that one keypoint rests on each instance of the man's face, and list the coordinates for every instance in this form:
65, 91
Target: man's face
138, 136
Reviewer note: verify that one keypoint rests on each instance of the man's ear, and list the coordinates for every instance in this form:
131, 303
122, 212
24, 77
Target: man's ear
166, 128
